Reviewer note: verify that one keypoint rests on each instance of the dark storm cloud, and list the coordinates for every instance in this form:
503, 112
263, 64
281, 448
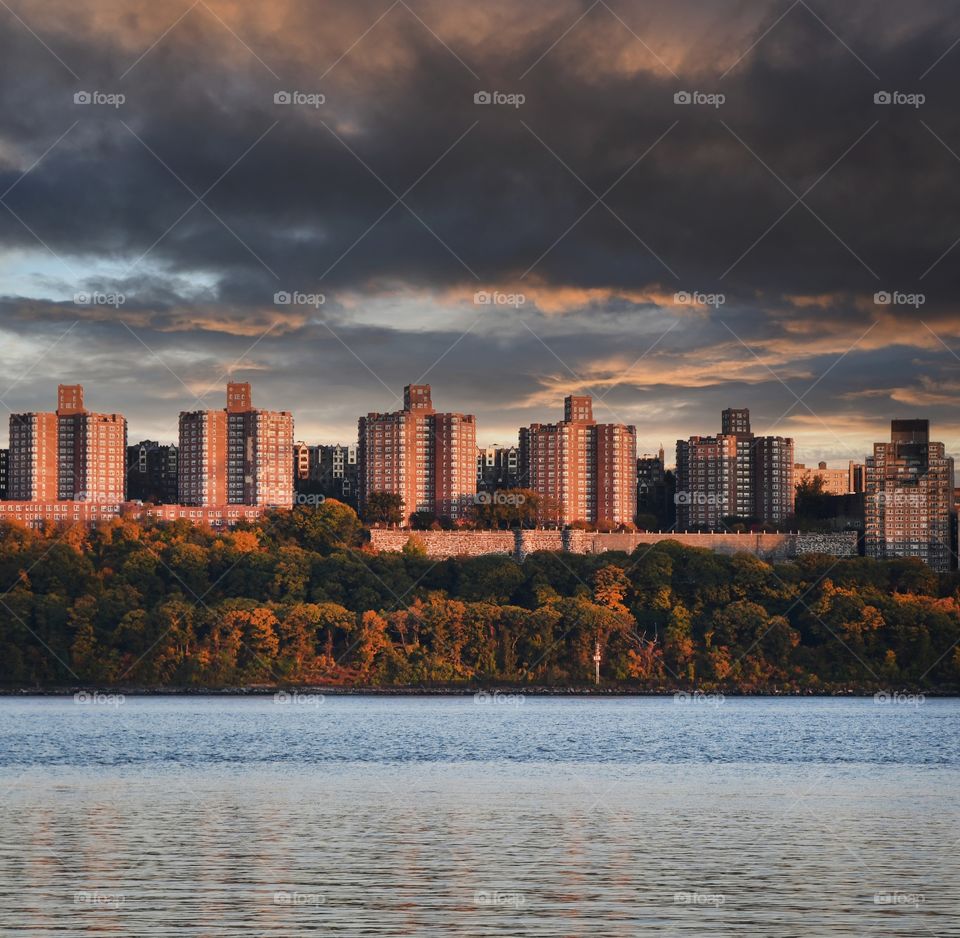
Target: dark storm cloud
291, 197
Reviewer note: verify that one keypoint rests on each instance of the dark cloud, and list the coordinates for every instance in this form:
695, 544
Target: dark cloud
296, 198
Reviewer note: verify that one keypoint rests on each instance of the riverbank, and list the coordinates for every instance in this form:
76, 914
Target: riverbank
494, 691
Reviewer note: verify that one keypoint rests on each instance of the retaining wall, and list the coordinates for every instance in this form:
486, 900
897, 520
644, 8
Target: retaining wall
519, 544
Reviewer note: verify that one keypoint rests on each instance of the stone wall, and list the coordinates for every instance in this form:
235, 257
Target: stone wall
447, 543
520, 544
836, 543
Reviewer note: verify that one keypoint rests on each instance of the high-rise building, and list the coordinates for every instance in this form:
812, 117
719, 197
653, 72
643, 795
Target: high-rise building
498, 467
152, 472
735, 422
734, 474
4, 461
32, 469
202, 458
706, 481
908, 498
771, 478
583, 471
236, 456
425, 457
69, 455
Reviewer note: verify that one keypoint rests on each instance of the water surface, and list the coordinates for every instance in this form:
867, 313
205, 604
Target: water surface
509, 816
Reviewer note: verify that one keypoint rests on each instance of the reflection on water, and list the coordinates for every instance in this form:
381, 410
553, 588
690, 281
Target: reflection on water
620, 817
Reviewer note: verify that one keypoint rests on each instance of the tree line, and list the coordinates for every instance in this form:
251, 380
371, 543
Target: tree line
298, 598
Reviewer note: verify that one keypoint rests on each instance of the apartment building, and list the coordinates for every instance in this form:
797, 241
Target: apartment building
69, 455
734, 474
583, 471
426, 457
835, 481
909, 494
236, 456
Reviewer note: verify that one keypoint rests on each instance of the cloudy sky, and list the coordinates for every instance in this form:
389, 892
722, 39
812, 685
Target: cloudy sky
201, 162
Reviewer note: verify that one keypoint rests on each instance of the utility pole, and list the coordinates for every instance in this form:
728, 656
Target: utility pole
596, 662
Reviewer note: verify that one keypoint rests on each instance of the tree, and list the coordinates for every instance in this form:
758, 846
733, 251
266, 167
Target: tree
811, 503
610, 587
331, 525
424, 521
383, 508
415, 547
508, 508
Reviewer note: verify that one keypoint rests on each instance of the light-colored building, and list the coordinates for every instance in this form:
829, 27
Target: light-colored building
425, 457
301, 461
909, 494
835, 481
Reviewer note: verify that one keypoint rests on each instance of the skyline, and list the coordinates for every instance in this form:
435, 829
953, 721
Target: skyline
134, 437
799, 198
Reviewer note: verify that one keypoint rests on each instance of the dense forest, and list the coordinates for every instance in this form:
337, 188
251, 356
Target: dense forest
298, 600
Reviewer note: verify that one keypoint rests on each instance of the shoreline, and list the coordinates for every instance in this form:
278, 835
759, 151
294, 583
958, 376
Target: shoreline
695, 694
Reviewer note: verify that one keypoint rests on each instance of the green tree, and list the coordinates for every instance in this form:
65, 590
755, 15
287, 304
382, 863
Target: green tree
384, 508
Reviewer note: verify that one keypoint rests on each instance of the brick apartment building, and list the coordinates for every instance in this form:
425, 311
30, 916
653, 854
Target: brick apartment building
69, 455
734, 474
425, 457
909, 495
585, 471
236, 456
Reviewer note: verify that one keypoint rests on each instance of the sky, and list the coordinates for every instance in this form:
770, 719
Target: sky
674, 207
